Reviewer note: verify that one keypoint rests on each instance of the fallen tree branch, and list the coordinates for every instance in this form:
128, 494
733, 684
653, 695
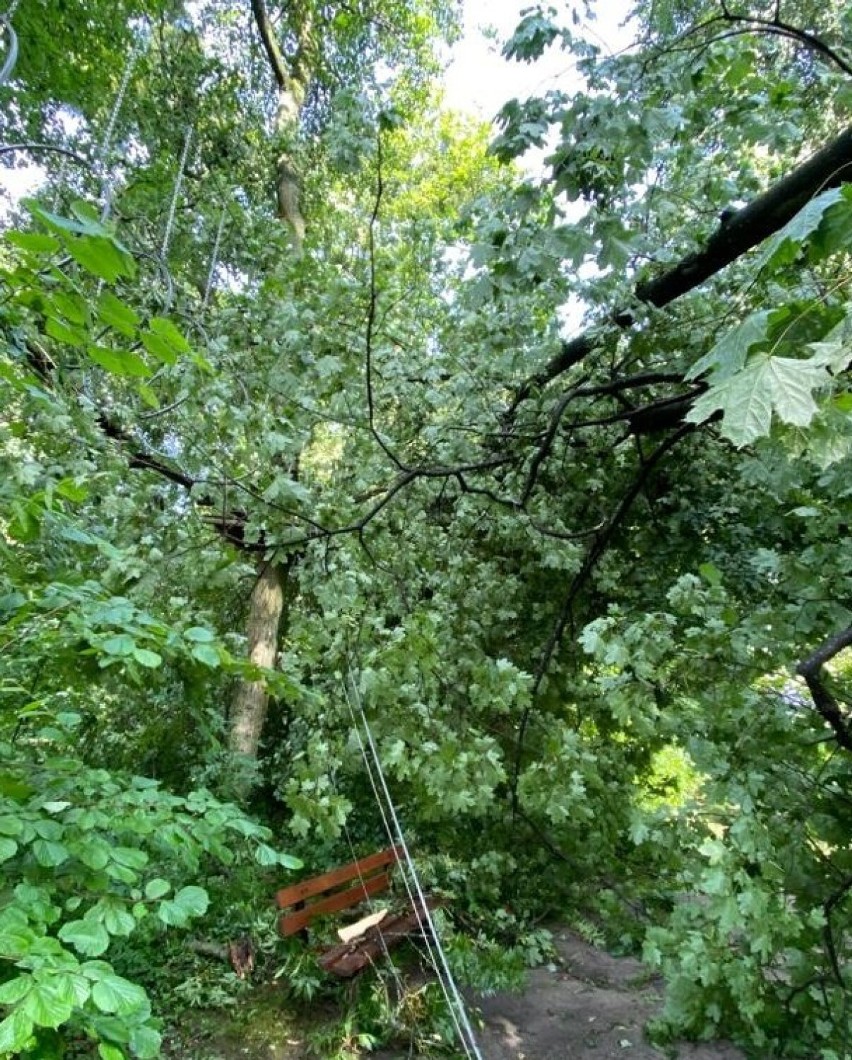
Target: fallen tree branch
753, 25
230, 523
743, 230
778, 27
238, 952
826, 703
8, 149
761, 218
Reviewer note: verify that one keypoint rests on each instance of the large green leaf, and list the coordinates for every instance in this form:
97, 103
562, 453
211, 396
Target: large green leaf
78, 226
157, 888
158, 347
117, 314
130, 857
34, 241
794, 234
114, 916
729, 354
101, 256
13, 990
51, 1002
15, 1031
122, 644
10, 825
193, 900
49, 853
149, 659
199, 635
206, 654
747, 400
114, 994
16, 938
120, 362
94, 852
188, 902
106, 1051
145, 1042
87, 936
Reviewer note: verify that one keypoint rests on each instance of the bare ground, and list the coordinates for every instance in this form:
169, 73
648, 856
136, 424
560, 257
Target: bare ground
587, 1005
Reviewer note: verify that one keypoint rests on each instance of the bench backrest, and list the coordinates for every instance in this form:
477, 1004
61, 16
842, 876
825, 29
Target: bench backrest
331, 893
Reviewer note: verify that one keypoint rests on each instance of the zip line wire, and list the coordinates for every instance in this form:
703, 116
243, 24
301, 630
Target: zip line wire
167, 235
214, 260
12, 45
110, 178
389, 831
455, 1001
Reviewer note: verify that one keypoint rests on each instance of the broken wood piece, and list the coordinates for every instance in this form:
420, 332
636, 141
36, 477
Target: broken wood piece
239, 952
241, 956
349, 958
360, 927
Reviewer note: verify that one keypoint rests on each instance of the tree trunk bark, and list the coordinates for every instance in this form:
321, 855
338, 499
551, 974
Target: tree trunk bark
251, 699
268, 598
288, 185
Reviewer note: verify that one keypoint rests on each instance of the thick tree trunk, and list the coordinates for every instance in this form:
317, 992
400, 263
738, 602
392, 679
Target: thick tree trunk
251, 699
267, 604
289, 188
293, 77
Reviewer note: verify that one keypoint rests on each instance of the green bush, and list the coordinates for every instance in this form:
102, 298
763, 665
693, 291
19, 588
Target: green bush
92, 858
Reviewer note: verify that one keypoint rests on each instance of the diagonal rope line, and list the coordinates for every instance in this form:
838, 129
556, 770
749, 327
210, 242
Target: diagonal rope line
109, 181
167, 235
394, 842
440, 965
468, 1038
11, 45
106, 141
214, 260
394, 839
394, 970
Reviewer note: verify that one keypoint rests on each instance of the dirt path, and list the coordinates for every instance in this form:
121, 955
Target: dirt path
586, 1006
590, 1006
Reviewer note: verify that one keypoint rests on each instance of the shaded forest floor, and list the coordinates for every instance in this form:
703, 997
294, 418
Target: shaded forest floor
586, 1006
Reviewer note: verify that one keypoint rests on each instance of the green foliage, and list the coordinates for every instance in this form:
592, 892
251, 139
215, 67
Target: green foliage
748, 939
571, 583
91, 858
534, 34
749, 381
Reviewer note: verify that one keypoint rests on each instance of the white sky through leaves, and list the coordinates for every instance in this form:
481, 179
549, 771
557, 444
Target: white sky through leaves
479, 80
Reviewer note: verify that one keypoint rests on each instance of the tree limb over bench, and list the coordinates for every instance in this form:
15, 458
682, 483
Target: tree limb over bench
335, 891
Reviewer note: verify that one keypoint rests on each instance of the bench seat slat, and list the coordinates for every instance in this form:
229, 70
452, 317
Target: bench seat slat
297, 921
355, 870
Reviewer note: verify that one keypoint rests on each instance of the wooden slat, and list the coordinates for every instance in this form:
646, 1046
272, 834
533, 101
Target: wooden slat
298, 892
293, 922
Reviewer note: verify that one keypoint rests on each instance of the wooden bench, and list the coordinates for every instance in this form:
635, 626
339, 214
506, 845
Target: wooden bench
334, 891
